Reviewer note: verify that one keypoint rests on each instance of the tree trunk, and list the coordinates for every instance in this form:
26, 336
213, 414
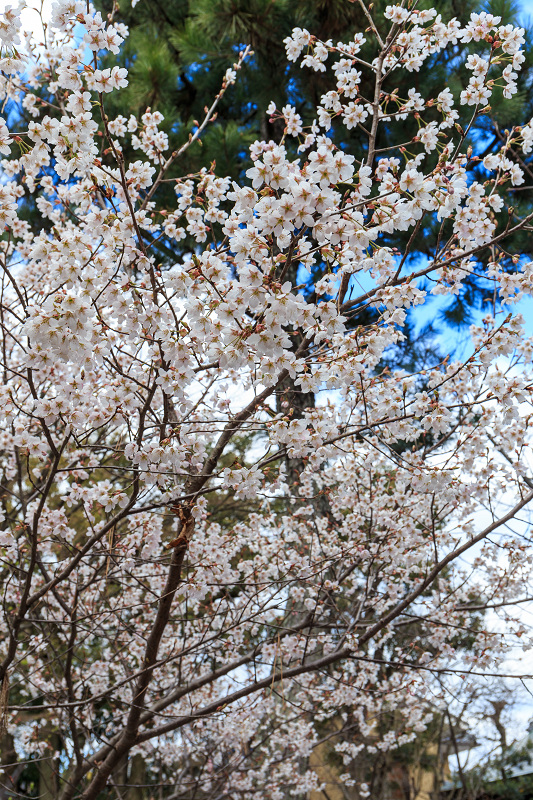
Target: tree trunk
137, 778
48, 770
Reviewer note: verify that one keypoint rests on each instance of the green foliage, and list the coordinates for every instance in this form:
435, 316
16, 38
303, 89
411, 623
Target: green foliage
154, 76
509, 777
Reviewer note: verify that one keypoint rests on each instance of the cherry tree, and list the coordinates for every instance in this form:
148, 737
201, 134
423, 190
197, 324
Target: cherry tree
138, 629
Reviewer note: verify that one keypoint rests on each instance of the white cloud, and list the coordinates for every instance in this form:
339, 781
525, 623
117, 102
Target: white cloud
33, 16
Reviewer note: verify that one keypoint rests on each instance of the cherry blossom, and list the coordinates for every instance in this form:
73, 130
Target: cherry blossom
224, 501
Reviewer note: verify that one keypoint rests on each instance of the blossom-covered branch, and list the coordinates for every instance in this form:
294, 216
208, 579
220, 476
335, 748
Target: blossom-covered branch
202, 573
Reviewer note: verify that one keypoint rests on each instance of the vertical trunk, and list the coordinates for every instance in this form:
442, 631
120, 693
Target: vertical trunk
137, 779
290, 400
10, 770
49, 769
120, 777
